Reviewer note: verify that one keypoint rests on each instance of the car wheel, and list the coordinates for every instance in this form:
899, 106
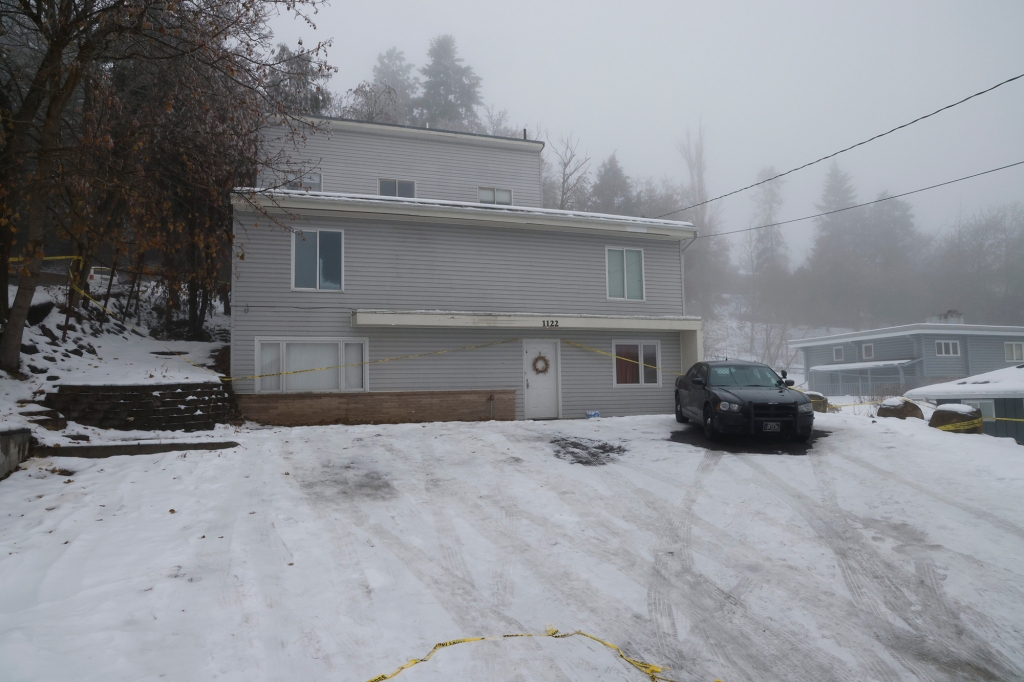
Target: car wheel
709, 425
680, 417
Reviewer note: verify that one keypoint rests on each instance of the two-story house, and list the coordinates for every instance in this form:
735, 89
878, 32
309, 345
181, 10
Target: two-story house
418, 279
893, 360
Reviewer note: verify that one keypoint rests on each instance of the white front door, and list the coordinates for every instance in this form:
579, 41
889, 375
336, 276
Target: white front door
540, 366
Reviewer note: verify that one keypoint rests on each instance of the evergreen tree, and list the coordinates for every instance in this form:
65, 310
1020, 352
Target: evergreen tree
393, 71
451, 89
612, 191
300, 82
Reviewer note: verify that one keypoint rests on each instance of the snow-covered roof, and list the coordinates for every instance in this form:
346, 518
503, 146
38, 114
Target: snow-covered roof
248, 198
930, 328
1002, 383
860, 365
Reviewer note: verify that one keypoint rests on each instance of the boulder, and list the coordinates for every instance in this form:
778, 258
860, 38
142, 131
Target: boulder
957, 418
899, 408
819, 403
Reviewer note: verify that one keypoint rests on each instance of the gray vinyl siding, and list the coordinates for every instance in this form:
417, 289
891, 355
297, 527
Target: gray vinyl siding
892, 348
988, 353
450, 168
443, 267
587, 377
944, 366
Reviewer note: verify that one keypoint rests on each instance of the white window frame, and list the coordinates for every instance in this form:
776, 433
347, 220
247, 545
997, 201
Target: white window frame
981, 405
313, 339
1013, 351
953, 345
396, 181
643, 274
641, 343
295, 181
495, 190
838, 354
317, 231
864, 354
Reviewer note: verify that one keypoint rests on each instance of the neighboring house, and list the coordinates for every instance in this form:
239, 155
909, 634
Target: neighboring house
423, 243
891, 361
999, 395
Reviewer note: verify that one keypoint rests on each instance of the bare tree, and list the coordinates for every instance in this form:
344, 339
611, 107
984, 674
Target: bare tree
371, 102
571, 173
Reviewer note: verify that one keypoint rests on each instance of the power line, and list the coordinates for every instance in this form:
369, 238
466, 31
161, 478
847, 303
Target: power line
866, 203
854, 146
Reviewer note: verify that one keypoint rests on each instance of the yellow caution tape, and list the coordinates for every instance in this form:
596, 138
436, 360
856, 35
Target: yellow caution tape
962, 426
18, 259
652, 671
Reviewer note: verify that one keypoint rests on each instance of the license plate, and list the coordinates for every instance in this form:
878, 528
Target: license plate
772, 426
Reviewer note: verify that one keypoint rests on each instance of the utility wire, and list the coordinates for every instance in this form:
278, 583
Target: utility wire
854, 146
866, 203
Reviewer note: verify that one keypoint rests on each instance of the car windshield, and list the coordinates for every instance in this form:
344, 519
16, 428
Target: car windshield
744, 375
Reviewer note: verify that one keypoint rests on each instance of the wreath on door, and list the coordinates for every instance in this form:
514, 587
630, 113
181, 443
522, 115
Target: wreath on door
541, 365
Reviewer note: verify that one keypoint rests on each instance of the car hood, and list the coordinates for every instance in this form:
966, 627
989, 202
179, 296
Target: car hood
785, 396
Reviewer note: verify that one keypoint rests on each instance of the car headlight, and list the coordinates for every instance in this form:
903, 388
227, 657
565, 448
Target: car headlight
728, 407
805, 408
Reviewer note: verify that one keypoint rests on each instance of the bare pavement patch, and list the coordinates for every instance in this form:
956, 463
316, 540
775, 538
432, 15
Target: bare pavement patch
888, 551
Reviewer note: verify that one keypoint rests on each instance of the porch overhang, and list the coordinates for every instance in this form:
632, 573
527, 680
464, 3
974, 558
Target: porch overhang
545, 321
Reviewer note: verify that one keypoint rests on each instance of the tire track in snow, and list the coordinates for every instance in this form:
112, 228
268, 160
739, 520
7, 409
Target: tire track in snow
938, 642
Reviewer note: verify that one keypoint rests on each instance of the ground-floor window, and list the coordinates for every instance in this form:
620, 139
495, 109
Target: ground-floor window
987, 407
311, 365
637, 363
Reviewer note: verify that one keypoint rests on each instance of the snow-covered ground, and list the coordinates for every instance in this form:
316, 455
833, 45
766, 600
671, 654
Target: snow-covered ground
885, 551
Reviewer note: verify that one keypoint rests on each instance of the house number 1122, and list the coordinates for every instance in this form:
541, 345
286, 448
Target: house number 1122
550, 323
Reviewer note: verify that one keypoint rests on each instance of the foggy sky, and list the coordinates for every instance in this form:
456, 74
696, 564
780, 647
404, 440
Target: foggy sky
777, 85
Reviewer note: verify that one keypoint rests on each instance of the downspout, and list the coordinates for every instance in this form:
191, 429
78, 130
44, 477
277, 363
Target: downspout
682, 270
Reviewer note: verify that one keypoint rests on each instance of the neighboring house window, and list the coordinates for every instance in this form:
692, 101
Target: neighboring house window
494, 195
636, 363
837, 354
868, 351
317, 258
339, 364
1014, 351
626, 274
313, 182
397, 188
947, 348
987, 407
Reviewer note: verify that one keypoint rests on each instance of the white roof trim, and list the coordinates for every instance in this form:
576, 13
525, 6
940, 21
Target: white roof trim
493, 320
931, 329
860, 365
364, 205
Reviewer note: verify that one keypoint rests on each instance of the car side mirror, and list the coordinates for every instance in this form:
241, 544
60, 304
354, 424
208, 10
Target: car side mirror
697, 381
790, 382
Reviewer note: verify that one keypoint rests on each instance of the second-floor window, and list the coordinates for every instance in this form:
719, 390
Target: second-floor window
317, 258
837, 354
309, 181
1014, 351
625, 274
396, 188
494, 195
867, 351
947, 348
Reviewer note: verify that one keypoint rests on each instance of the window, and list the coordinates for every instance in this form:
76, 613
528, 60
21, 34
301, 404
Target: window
867, 351
322, 365
317, 260
947, 348
493, 195
636, 363
626, 274
397, 188
1014, 351
310, 181
987, 407
837, 354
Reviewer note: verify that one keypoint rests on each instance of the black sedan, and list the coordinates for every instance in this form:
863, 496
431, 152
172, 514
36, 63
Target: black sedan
742, 398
